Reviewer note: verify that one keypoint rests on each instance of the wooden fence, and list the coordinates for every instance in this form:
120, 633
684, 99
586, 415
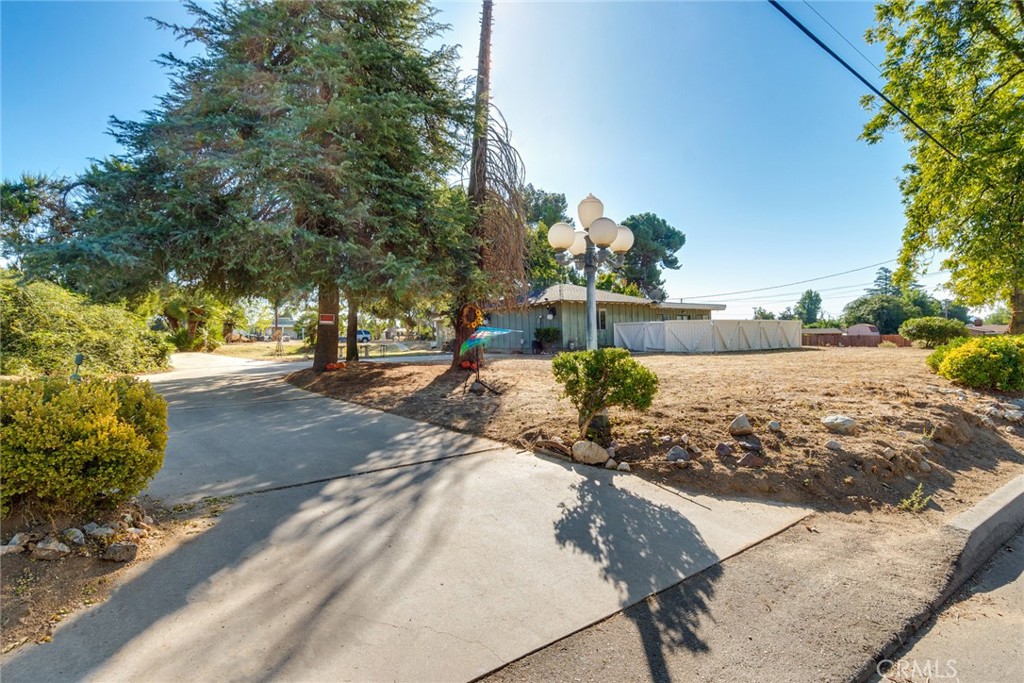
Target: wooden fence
868, 340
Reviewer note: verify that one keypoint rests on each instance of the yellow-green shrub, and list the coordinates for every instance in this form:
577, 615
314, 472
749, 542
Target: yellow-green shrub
986, 363
72, 447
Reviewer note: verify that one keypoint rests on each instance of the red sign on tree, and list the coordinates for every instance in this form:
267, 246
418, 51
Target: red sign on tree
326, 318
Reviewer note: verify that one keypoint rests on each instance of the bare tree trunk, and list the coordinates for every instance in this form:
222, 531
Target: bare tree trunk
351, 342
326, 350
1017, 311
478, 164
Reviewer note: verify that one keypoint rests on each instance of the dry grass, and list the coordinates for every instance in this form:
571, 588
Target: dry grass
890, 392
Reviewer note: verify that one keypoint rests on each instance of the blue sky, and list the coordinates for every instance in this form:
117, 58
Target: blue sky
721, 117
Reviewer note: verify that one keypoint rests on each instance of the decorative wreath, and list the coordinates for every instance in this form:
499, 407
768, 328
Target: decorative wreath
472, 317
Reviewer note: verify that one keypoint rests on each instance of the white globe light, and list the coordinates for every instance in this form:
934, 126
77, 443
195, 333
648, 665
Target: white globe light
561, 236
623, 241
603, 232
590, 209
579, 244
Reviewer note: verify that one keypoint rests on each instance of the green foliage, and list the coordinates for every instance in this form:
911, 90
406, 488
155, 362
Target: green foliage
935, 358
884, 284
654, 248
916, 501
955, 67
932, 331
614, 282
595, 380
541, 267
43, 326
808, 307
548, 335
884, 311
74, 446
999, 316
763, 314
986, 363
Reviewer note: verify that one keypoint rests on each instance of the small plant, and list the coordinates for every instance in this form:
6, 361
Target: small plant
933, 331
596, 380
547, 335
888, 345
76, 446
916, 501
984, 363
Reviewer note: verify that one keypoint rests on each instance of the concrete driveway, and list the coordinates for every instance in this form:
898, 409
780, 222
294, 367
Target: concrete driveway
376, 548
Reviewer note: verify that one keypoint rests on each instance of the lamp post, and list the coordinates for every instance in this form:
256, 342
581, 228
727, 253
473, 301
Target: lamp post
600, 241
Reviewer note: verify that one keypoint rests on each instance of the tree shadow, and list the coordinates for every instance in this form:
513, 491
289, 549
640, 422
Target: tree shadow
642, 547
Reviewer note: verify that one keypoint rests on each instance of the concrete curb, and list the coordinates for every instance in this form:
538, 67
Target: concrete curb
983, 529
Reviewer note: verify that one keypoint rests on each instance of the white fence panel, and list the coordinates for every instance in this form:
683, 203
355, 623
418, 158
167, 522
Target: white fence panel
631, 336
689, 336
709, 336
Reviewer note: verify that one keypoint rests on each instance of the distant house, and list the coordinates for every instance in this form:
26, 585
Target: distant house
563, 306
862, 329
987, 330
822, 330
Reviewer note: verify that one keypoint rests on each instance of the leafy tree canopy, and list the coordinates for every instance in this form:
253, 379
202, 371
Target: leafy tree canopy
654, 247
808, 307
958, 69
763, 314
884, 311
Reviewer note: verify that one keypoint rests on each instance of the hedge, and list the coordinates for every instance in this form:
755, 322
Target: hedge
71, 447
983, 362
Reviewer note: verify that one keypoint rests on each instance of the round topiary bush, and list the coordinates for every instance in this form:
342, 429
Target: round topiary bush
72, 447
595, 380
932, 331
986, 363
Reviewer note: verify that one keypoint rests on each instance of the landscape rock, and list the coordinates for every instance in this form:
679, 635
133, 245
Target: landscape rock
90, 527
477, 388
666, 438
135, 531
120, 552
840, 424
678, 453
50, 549
775, 426
623, 467
924, 466
1014, 415
694, 449
723, 449
20, 539
682, 464
10, 549
741, 426
101, 532
750, 443
611, 464
750, 460
589, 453
888, 453
834, 445
74, 536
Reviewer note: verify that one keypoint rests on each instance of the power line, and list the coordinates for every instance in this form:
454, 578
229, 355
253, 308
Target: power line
838, 33
791, 284
826, 48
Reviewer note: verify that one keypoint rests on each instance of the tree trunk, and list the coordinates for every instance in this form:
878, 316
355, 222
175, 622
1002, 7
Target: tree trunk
326, 350
477, 188
351, 343
1017, 311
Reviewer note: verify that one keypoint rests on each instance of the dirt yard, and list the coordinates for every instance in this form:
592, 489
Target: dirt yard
897, 403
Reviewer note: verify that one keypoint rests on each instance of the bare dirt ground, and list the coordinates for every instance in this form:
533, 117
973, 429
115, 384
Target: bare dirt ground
37, 595
897, 402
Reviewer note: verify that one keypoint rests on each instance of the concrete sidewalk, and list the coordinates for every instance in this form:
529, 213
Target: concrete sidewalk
428, 570
979, 636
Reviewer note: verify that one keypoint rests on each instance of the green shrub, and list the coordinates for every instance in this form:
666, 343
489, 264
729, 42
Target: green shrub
935, 358
986, 363
595, 380
74, 446
43, 326
932, 331
888, 345
547, 335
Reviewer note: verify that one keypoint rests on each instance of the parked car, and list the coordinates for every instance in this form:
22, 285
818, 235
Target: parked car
363, 336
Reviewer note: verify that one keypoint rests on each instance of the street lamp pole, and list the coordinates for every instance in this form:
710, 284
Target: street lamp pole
600, 241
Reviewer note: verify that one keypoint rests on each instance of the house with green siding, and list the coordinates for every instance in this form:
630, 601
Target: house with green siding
565, 307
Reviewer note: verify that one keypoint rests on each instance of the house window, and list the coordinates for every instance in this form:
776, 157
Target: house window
601, 320
682, 317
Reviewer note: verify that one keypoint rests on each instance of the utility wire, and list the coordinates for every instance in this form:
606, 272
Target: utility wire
826, 48
838, 33
791, 284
